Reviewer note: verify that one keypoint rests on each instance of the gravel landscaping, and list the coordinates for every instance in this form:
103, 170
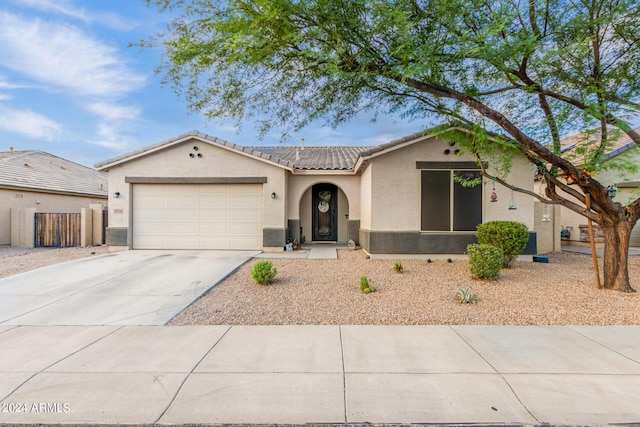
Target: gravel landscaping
327, 292
18, 260
562, 292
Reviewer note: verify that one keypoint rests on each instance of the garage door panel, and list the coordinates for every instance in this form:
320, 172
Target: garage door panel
240, 243
214, 203
152, 201
152, 215
197, 216
215, 229
244, 202
244, 216
244, 229
210, 215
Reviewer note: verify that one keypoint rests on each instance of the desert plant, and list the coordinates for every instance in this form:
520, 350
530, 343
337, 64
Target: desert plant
510, 236
365, 286
263, 272
398, 268
485, 261
466, 296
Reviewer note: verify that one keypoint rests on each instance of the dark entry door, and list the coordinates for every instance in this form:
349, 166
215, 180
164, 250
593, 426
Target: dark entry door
325, 212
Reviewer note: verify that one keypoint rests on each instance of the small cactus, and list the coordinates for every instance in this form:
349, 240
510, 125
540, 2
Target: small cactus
398, 268
364, 285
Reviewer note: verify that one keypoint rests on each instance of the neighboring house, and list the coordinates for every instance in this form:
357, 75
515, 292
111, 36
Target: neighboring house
197, 191
47, 183
622, 150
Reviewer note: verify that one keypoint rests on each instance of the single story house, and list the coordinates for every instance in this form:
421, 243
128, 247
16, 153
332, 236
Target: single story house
47, 183
198, 191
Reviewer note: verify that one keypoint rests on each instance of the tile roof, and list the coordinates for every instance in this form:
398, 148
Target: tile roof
40, 171
297, 158
571, 145
316, 158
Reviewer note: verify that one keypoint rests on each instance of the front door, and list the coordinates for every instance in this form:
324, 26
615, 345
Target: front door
325, 212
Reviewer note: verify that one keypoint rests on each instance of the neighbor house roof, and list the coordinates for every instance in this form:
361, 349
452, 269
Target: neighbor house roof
571, 146
40, 171
310, 158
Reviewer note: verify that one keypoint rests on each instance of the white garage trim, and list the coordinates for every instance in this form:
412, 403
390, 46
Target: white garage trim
197, 216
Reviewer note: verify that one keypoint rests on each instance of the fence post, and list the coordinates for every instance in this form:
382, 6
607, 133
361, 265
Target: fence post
86, 227
22, 227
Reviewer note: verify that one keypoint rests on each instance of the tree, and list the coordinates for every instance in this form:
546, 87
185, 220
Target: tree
528, 71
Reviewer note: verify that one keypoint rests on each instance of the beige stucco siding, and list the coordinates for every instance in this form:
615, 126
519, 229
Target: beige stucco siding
396, 188
175, 161
298, 185
365, 197
521, 175
42, 202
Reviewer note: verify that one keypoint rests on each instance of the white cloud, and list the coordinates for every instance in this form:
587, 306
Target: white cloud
4, 97
63, 56
63, 7
66, 8
109, 136
114, 112
28, 123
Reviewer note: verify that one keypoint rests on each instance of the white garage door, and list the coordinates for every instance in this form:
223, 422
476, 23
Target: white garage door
197, 216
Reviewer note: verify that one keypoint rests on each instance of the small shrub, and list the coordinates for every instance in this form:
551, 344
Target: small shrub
364, 283
398, 268
485, 261
365, 286
510, 236
466, 296
263, 272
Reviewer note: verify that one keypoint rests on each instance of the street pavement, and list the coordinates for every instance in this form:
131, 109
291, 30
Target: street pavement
320, 374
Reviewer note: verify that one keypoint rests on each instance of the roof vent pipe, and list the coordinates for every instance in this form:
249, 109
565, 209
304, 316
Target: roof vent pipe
302, 139
11, 150
297, 154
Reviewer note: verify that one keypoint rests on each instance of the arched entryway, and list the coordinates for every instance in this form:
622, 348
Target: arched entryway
324, 214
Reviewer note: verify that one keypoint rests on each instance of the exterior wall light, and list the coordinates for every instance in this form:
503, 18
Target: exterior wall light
116, 194
273, 195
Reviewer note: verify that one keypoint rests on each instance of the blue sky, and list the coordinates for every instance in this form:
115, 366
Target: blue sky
71, 86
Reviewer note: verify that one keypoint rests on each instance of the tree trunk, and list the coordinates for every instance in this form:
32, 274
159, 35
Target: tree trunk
616, 255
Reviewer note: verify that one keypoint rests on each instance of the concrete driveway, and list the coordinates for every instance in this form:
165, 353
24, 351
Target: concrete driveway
123, 288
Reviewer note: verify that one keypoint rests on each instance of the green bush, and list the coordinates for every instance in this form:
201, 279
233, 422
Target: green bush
510, 236
398, 268
485, 261
263, 272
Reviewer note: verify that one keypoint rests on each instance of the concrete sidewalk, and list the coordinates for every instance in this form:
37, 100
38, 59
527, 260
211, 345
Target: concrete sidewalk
319, 374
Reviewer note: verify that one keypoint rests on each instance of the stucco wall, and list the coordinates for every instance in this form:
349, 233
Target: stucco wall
366, 197
42, 202
396, 183
298, 185
215, 162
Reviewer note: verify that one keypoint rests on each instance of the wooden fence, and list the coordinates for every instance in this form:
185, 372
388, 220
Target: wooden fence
60, 230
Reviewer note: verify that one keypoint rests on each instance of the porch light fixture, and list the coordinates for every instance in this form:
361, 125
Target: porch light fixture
116, 194
273, 195
612, 191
